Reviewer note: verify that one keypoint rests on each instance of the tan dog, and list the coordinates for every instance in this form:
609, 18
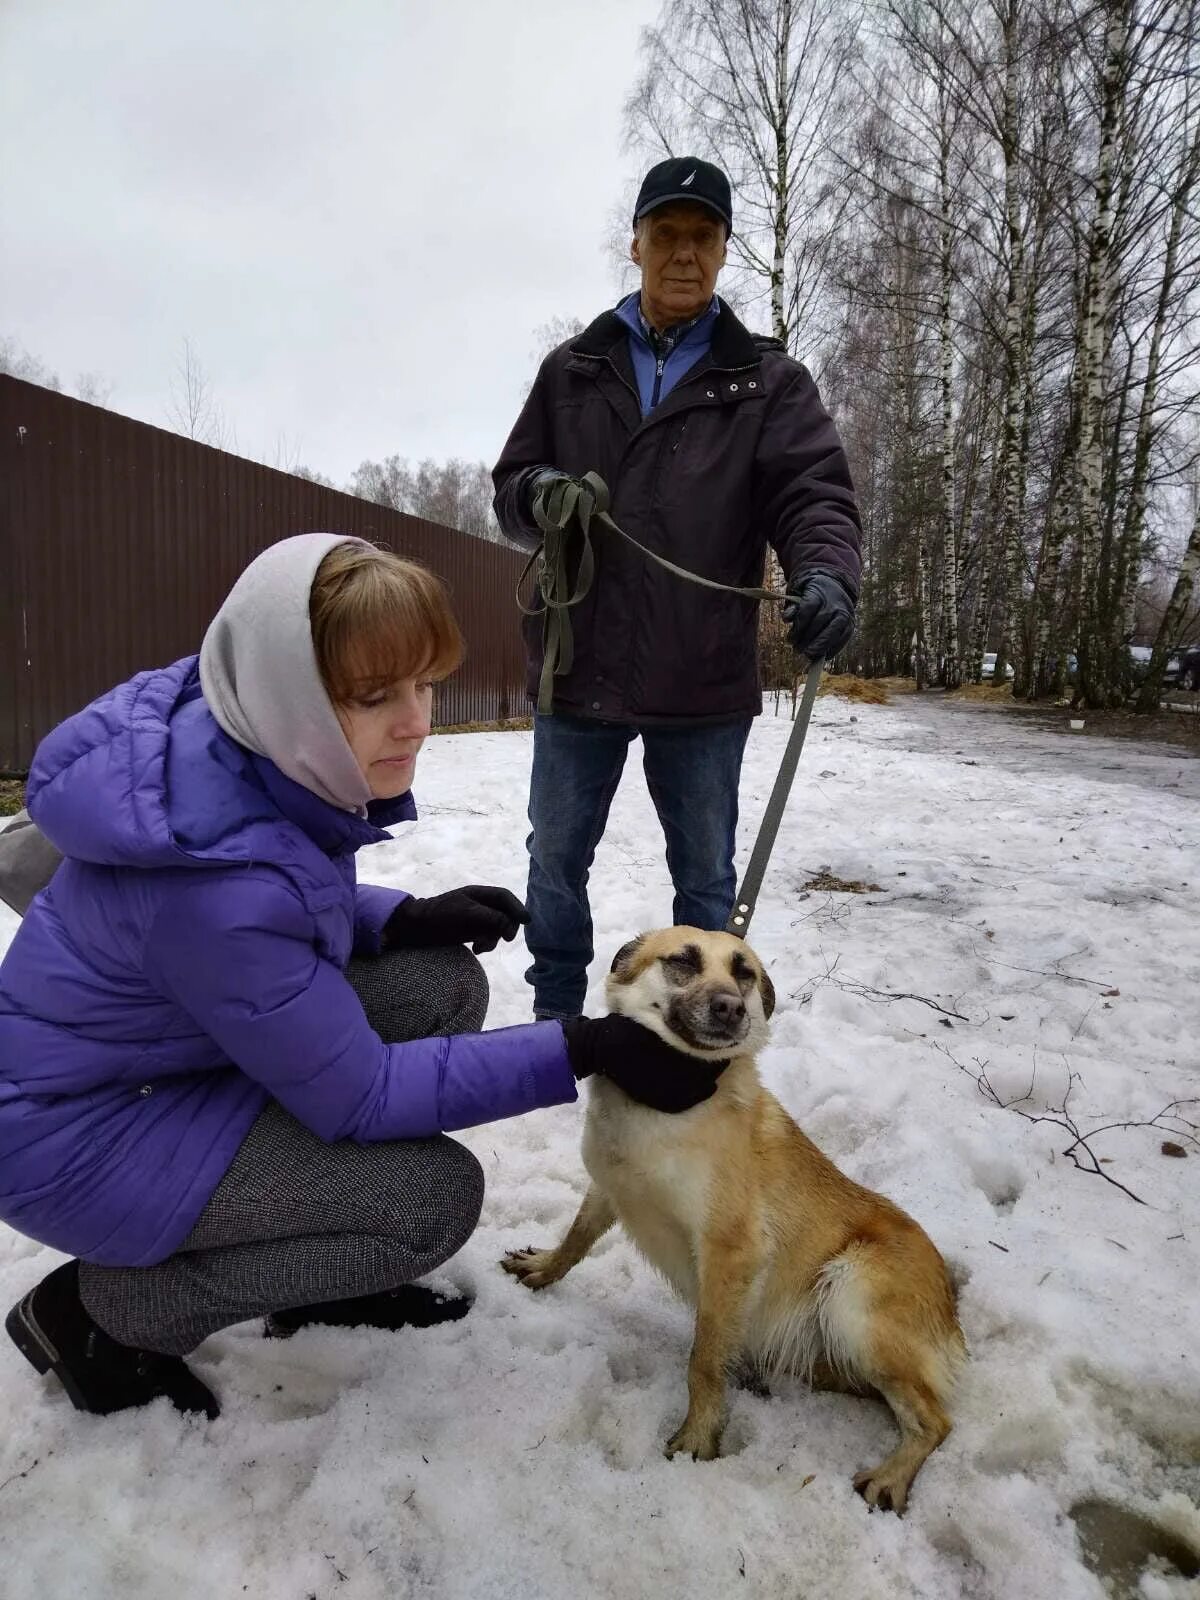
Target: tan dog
791, 1267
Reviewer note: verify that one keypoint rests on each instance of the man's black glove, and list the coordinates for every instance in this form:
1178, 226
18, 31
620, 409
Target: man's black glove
820, 609
477, 915
639, 1062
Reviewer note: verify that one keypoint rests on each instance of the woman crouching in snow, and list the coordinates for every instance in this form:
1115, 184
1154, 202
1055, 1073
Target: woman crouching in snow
225, 1070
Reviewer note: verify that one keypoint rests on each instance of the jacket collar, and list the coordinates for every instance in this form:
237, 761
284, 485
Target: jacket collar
677, 337
733, 345
330, 828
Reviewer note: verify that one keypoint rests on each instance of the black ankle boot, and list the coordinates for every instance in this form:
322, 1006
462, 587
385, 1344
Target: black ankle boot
412, 1305
55, 1334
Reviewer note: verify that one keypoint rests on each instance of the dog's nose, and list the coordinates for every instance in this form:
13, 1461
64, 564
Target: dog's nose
727, 1008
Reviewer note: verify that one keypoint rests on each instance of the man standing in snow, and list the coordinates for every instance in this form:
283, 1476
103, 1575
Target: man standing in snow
713, 442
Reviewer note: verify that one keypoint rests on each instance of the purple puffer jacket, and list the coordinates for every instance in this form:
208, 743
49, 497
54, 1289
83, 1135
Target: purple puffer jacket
185, 965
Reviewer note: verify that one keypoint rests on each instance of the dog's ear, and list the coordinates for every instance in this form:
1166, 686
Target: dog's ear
767, 989
625, 955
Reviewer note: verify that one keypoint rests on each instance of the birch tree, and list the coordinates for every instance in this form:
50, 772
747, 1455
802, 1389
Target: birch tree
192, 408
1170, 272
950, 674
1003, 307
455, 493
1171, 628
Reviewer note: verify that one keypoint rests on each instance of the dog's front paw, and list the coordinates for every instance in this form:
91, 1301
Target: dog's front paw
534, 1268
701, 1442
884, 1489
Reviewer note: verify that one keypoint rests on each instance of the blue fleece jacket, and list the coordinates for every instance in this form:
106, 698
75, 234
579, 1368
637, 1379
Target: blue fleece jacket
680, 348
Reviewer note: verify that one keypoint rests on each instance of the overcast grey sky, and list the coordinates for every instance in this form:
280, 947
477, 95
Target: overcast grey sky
358, 213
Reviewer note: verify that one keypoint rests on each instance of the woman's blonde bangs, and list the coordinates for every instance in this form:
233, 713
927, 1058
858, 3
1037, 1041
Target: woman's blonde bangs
378, 618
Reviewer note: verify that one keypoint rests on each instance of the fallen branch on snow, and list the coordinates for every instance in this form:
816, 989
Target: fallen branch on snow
1170, 1119
1040, 972
864, 991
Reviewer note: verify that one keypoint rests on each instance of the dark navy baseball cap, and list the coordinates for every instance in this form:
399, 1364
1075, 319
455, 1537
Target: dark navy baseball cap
685, 178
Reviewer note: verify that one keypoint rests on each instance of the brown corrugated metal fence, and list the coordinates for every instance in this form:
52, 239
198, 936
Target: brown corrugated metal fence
118, 541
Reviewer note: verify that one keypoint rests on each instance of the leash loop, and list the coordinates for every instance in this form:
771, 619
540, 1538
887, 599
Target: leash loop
565, 516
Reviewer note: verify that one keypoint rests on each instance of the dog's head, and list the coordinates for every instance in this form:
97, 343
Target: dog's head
705, 993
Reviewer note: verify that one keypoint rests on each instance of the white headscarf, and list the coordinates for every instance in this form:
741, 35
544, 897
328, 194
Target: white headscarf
258, 671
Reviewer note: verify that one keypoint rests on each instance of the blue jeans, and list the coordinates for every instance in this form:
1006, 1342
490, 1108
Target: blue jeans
692, 774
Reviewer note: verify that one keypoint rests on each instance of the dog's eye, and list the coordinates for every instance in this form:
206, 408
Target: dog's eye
684, 965
743, 973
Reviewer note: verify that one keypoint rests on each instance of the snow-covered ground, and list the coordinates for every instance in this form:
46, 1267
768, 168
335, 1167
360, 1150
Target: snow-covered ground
1042, 895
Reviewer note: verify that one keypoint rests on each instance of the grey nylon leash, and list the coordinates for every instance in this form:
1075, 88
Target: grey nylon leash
569, 509
747, 896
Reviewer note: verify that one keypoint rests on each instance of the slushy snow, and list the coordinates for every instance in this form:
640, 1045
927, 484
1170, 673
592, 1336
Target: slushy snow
1036, 919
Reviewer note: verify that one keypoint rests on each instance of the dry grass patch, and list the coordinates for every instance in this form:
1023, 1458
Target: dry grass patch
509, 725
12, 796
832, 884
867, 691
994, 693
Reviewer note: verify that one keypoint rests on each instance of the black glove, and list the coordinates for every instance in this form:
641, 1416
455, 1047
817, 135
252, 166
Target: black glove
477, 915
820, 609
639, 1062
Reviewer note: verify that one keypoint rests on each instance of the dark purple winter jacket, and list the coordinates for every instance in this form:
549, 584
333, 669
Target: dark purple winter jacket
185, 964
739, 454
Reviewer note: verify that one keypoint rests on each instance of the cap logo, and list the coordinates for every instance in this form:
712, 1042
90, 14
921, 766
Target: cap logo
690, 179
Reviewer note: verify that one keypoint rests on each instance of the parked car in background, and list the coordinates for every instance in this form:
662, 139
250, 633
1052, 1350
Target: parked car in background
1072, 667
1188, 674
989, 666
1139, 660
1174, 672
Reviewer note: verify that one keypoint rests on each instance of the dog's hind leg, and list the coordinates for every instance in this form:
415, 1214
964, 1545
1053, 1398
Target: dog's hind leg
923, 1425
883, 1331
727, 1269
537, 1268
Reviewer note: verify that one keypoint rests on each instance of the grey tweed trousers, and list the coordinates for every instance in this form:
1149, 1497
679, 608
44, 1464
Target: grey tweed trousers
296, 1221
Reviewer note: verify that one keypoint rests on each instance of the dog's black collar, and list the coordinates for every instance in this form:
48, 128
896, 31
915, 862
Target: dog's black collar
717, 1067
710, 1072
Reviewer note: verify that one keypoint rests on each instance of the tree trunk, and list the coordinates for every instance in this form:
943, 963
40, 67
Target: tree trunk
924, 618
1008, 594
951, 667
1174, 617
783, 27
1097, 656
991, 559
1125, 580
981, 612
1047, 612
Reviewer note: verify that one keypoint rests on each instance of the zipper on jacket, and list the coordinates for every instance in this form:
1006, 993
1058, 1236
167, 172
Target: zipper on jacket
658, 377
685, 382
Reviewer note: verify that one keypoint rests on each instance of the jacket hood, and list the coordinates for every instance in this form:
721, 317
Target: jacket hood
98, 785
259, 673
144, 777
